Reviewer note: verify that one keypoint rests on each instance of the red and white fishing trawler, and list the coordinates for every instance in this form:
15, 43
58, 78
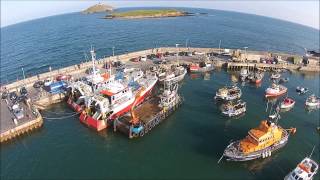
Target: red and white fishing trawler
115, 100
80, 89
77, 93
275, 90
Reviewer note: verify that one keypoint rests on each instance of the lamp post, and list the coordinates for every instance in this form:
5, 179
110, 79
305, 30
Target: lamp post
187, 40
113, 51
24, 77
177, 52
245, 51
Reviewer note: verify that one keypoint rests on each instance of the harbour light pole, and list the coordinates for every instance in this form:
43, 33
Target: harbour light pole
187, 40
219, 46
177, 52
245, 51
113, 51
24, 77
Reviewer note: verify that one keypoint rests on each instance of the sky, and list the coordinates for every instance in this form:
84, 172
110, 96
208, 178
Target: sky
303, 12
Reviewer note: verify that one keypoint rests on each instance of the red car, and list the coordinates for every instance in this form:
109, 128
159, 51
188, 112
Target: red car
63, 77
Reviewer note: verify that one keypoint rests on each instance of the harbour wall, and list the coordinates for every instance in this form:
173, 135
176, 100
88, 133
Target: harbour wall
21, 129
81, 68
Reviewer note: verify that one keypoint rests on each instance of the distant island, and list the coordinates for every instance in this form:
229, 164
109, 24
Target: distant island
154, 13
98, 8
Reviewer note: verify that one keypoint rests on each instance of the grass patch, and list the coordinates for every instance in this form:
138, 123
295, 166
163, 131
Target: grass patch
157, 12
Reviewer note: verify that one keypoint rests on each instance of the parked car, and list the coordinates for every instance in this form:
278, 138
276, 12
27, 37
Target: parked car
17, 111
38, 84
13, 96
47, 82
4, 95
23, 91
63, 77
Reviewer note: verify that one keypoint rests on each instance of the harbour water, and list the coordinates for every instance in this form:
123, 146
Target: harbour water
190, 142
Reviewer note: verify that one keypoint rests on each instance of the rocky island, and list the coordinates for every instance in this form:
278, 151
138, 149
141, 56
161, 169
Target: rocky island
155, 13
97, 8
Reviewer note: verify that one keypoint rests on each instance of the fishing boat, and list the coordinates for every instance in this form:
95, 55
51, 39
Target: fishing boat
77, 92
228, 93
232, 109
287, 103
256, 77
275, 76
275, 90
200, 67
313, 102
173, 75
259, 143
302, 90
244, 73
305, 170
250, 77
143, 118
114, 100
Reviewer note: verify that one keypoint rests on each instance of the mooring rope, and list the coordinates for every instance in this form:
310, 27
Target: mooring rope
63, 117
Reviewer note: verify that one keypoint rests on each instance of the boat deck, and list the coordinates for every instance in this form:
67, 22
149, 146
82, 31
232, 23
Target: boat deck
145, 112
149, 113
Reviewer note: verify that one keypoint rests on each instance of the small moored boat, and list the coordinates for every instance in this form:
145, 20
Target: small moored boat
244, 73
305, 170
257, 77
287, 103
228, 93
173, 75
275, 90
313, 102
302, 90
200, 67
275, 76
232, 109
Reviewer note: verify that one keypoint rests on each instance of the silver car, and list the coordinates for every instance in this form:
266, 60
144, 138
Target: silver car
17, 111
